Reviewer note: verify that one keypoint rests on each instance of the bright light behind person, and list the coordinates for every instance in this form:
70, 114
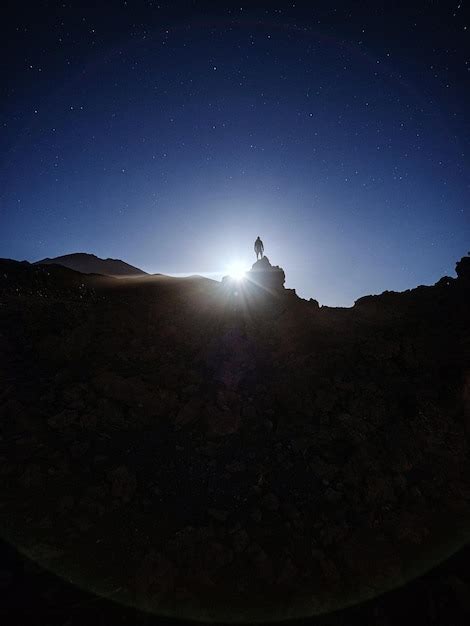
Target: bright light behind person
237, 271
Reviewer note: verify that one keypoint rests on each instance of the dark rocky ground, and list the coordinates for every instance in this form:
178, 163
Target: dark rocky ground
221, 452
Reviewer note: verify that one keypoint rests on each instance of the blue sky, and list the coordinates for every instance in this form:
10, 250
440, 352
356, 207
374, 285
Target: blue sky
171, 137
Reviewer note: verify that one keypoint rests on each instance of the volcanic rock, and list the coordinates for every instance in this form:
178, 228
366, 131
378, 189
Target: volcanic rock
266, 275
319, 446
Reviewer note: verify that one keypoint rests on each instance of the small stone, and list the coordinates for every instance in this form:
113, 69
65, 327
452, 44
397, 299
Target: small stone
32, 476
189, 412
288, 573
290, 511
263, 565
332, 495
236, 466
240, 540
66, 504
256, 514
79, 448
270, 502
218, 514
123, 483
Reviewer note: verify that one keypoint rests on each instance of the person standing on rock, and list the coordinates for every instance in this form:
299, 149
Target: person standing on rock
259, 248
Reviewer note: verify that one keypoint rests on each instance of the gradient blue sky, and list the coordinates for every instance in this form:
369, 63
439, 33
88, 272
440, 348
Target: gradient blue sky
170, 135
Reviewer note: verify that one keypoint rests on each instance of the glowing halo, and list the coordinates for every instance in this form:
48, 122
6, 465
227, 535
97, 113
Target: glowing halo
237, 271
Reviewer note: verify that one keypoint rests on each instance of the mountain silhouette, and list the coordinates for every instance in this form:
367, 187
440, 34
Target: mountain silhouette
228, 450
91, 264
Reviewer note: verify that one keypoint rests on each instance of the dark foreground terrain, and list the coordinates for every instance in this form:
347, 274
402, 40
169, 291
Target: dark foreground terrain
220, 452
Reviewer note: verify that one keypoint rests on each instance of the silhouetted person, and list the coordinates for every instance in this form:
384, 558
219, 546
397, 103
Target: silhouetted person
259, 248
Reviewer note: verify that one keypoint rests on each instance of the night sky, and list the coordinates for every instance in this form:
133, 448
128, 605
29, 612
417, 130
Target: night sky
171, 134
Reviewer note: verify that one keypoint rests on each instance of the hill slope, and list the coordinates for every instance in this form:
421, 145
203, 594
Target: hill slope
230, 453
91, 264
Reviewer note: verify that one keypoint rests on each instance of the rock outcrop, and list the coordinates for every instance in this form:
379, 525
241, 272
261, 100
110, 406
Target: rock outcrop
266, 275
263, 278
462, 269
